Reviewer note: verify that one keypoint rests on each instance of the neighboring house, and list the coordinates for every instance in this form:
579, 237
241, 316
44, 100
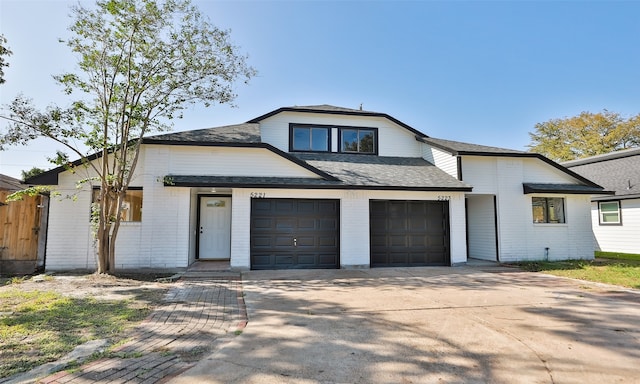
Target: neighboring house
328, 187
616, 219
23, 227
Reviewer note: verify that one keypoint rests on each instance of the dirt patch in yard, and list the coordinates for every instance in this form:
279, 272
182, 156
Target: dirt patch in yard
143, 288
44, 317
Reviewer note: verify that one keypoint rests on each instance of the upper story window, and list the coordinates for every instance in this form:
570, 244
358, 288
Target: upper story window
548, 210
358, 140
609, 212
313, 138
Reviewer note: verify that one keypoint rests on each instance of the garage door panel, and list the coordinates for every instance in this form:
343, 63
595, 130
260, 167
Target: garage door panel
395, 223
398, 258
306, 241
282, 241
285, 223
328, 224
327, 241
282, 207
262, 242
409, 233
397, 241
266, 223
283, 260
307, 223
261, 259
418, 241
294, 233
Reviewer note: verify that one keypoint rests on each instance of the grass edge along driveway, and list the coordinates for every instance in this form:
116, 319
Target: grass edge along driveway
609, 268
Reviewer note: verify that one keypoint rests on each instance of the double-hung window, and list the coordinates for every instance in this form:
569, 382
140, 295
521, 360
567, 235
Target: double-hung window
548, 210
310, 138
358, 140
609, 212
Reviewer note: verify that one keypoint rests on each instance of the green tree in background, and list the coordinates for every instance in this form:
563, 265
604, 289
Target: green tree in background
35, 171
4, 51
141, 63
585, 135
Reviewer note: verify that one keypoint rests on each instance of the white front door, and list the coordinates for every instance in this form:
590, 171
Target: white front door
215, 228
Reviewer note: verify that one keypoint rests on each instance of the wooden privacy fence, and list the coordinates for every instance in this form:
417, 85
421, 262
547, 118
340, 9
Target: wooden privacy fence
23, 226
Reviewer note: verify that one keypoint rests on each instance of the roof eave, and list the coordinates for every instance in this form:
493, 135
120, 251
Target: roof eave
331, 112
171, 183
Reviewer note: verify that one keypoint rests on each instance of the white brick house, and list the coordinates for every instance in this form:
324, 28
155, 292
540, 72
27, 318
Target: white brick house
328, 187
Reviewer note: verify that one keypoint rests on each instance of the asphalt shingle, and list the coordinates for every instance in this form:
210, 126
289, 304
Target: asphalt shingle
238, 133
617, 171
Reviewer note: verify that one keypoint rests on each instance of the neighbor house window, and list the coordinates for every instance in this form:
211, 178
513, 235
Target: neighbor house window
358, 140
548, 210
609, 212
310, 138
131, 206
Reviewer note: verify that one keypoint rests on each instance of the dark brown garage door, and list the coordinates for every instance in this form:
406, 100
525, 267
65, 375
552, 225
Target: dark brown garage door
294, 233
409, 233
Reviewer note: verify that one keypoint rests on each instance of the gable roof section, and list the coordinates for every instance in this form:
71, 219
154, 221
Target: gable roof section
384, 172
457, 148
617, 171
239, 135
348, 171
334, 110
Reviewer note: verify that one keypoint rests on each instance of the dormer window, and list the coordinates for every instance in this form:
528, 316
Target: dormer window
311, 138
358, 140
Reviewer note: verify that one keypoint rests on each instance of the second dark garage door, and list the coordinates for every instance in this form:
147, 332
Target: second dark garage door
294, 233
409, 233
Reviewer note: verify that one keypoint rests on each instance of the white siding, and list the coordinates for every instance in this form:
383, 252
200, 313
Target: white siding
393, 140
537, 171
69, 243
441, 159
223, 161
623, 238
518, 237
159, 241
481, 226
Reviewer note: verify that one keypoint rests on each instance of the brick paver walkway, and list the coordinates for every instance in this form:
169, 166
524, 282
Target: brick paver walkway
197, 315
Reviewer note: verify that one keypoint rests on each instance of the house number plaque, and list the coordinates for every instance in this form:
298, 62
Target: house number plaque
258, 195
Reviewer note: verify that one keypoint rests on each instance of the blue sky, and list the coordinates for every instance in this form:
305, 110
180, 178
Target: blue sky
473, 71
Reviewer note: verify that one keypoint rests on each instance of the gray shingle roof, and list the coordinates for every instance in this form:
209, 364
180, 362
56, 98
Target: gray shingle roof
459, 147
380, 171
352, 171
616, 171
328, 108
238, 133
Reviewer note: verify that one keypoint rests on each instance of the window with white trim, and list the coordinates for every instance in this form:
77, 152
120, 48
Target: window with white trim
548, 210
609, 212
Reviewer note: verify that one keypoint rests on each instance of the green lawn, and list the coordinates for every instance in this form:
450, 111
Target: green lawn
37, 327
622, 272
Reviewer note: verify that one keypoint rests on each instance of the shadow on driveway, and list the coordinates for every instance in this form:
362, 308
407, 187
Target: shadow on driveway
425, 325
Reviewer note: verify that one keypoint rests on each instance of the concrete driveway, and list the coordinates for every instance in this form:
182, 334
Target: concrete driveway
429, 325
